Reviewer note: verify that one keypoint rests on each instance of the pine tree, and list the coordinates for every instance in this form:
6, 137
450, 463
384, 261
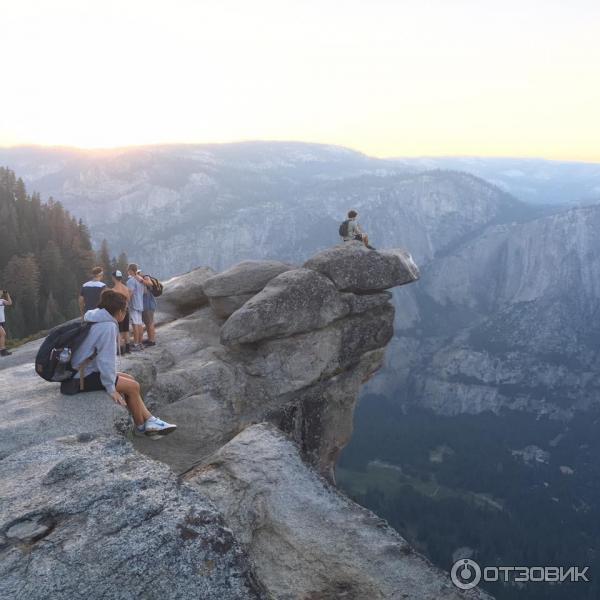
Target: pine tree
45, 256
22, 278
52, 314
103, 260
122, 262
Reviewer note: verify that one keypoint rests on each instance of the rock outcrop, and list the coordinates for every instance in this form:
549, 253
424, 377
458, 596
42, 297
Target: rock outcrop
264, 403
229, 290
358, 269
185, 293
298, 526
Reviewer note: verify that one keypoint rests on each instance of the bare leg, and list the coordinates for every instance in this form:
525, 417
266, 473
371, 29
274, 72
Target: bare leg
130, 389
138, 333
151, 330
2, 338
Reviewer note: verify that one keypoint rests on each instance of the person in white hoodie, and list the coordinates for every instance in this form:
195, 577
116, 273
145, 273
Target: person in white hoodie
97, 357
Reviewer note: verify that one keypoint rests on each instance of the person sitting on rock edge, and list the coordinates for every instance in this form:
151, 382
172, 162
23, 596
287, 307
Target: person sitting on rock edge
353, 230
98, 358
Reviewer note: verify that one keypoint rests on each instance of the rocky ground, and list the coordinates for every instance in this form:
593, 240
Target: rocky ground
260, 367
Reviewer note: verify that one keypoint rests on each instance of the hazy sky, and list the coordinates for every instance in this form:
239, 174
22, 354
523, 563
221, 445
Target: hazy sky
390, 78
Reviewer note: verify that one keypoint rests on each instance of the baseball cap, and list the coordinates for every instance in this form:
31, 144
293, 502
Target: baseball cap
117, 274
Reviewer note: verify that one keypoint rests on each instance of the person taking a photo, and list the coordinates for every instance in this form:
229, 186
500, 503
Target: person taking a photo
5, 300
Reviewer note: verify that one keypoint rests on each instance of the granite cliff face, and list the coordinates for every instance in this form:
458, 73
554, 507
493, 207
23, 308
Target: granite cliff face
508, 319
264, 401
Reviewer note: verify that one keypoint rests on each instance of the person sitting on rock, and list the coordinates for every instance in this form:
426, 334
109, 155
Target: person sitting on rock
351, 230
97, 358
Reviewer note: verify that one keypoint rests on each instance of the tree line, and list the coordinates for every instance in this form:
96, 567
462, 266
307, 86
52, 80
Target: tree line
45, 256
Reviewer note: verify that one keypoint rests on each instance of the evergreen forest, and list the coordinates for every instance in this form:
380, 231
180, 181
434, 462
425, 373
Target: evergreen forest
45, 256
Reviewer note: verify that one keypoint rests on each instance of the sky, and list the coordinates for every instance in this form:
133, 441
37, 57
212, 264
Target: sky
386, 77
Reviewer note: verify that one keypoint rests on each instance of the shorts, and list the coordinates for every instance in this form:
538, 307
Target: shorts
124, 324
135, 316
91, 383
148, 317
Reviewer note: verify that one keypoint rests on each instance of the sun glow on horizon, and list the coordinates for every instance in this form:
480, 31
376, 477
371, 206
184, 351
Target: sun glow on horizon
387, 78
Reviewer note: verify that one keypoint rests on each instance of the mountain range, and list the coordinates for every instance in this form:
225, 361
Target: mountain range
503, 315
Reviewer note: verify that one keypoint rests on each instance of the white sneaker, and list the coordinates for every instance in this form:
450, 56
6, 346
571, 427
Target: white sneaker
154, 426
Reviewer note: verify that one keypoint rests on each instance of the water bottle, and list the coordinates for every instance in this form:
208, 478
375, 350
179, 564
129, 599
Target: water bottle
61, 372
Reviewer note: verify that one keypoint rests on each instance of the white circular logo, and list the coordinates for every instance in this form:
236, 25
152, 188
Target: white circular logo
465, 573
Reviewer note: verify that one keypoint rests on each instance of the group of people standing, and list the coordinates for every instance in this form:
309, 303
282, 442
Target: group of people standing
141, 303
110, 312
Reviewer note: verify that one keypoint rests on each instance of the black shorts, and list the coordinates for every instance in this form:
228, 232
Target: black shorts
91, 383
124, 324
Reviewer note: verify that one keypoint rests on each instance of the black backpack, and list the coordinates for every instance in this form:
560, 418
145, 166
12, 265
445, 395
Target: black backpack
157, 287
344, 228
53, 360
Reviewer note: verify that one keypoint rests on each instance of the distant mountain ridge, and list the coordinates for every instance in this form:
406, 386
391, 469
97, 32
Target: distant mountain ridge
533, 180
175, 207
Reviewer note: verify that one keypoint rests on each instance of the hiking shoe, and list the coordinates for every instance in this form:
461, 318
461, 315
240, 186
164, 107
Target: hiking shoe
140, 431
154, 426
5, 352
136, 348
148, 343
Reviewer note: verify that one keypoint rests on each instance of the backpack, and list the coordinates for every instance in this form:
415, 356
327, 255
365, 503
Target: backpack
157, 287
53, 360
344, 228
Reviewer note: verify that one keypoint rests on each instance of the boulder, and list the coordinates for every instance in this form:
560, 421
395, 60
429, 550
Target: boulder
286, 365
86, 516
304, 538
225, 306
360, 303
247, 277
294, 302
354, 268
184, 293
